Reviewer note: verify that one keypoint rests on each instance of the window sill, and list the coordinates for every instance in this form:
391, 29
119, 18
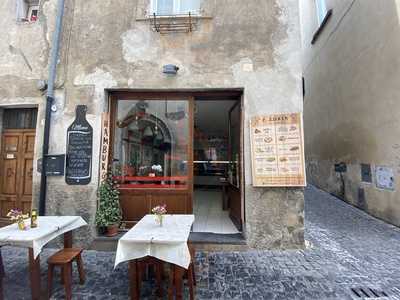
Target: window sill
151, 17
23, 22
321, 27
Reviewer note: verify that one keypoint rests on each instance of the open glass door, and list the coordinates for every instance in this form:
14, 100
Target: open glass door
235, 166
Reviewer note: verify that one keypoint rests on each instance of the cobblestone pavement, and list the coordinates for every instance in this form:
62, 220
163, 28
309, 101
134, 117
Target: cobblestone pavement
349, 249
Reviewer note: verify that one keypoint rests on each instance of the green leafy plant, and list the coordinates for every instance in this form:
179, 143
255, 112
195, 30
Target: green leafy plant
109, 210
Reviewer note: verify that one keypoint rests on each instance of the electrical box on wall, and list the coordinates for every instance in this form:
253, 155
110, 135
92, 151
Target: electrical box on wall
55, 165
366, 175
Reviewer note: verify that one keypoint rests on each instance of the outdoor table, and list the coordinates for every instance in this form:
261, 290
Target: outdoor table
36, 238
167, 243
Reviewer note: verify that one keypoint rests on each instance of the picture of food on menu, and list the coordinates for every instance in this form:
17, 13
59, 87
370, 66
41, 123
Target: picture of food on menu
277, 150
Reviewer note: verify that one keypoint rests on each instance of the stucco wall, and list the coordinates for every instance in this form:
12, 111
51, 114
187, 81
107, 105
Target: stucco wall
351, 103
254, 45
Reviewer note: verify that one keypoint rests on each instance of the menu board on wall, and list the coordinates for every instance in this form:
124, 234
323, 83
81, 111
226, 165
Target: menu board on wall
79, 149
277, 148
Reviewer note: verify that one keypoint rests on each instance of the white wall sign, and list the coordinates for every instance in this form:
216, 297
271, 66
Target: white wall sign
384, 178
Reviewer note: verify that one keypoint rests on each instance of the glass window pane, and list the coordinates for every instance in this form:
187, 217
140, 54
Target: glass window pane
321, 10
187, 6
165, 7
151, 144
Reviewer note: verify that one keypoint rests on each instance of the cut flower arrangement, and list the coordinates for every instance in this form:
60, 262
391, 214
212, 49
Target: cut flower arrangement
159, 212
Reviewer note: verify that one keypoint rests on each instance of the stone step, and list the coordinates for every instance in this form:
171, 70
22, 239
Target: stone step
202, 241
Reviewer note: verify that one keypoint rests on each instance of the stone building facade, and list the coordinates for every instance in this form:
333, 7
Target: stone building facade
351, 71
252, 46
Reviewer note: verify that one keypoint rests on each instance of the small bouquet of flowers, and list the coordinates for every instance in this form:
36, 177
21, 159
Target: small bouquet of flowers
18, 217
156, 169
159, 212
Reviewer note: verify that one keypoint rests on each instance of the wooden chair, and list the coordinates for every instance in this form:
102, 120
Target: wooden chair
64, 259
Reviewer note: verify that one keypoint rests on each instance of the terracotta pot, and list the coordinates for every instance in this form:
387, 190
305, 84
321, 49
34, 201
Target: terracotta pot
112, 230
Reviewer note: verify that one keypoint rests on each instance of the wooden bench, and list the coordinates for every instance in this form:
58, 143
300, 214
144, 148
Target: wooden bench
64, 259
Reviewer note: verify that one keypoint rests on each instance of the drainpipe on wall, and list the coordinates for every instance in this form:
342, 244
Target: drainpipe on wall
49, 102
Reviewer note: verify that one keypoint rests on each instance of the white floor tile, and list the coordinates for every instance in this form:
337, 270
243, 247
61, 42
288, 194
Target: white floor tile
209, 216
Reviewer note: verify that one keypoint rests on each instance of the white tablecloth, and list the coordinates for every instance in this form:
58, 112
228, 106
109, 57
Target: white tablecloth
36, 238
167, 242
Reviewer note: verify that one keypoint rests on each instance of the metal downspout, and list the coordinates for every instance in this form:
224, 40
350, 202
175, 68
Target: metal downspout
49, 102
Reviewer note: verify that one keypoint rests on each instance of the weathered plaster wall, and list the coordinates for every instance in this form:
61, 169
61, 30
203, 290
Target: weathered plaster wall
254, 45
351, 102
24, 49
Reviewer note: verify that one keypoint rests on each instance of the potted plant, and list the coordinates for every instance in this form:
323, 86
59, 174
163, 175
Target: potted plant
108, 213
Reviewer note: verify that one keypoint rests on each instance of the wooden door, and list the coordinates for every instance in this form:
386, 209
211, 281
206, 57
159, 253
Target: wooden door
16, 170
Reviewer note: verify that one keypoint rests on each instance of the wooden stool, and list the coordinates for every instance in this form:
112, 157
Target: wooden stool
143, 266
64, 259
176, 275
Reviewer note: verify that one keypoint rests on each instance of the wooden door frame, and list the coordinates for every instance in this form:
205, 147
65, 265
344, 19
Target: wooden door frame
191, 95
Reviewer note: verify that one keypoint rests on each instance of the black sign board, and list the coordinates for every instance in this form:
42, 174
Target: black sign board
55, 165
341, 167
79, 149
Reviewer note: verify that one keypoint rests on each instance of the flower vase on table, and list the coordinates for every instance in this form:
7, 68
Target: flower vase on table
159, 212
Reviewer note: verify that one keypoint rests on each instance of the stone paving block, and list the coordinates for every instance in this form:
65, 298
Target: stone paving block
349, 249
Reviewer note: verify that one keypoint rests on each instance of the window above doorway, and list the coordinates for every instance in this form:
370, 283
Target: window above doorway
323, 16
321, 10
21, 118
27, 10
175, 7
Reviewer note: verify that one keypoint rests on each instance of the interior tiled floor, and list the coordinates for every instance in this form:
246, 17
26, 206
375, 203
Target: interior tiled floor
209, 216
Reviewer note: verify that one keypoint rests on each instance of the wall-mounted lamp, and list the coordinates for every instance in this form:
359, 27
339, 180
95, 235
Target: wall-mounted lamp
170, 69
41, 85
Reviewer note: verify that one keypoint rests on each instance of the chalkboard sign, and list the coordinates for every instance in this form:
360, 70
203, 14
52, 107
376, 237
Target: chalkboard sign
79, 149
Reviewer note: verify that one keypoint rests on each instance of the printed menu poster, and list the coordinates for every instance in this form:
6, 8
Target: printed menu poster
277, 148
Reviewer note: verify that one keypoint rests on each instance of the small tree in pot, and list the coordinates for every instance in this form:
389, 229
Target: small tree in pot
108, 213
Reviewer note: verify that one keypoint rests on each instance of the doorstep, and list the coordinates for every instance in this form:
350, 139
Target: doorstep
202, 241
212, 242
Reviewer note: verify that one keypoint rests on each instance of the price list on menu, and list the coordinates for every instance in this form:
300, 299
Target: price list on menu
277, 150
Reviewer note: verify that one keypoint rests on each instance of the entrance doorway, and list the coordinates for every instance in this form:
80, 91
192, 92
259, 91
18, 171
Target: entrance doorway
16, 159
216, 166
166, 144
